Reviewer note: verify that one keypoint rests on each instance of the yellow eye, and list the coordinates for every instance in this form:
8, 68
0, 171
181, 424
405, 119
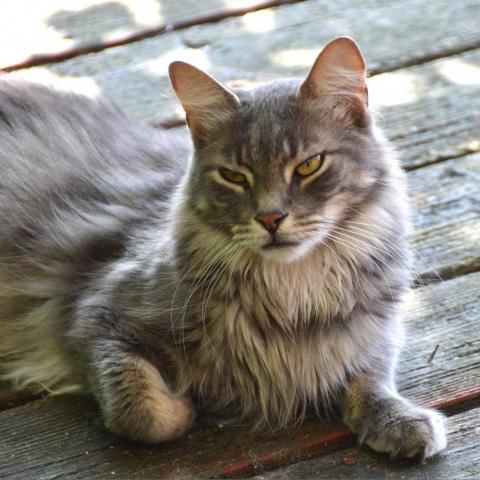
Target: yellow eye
311, 165
231, 176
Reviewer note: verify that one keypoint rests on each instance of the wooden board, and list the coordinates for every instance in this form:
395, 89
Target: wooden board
445, 314
75, 445
445, 201
431, 112
283, 39
38, 32
461, 461
391, 33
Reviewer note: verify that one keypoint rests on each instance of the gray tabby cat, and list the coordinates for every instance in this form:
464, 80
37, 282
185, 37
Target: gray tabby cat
259, 276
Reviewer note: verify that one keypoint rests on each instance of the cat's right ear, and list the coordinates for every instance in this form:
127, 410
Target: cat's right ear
207, 103
338, 79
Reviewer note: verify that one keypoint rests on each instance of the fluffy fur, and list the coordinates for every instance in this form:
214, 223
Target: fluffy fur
131, 267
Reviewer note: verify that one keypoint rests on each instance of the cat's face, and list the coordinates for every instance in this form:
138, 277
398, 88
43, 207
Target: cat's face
277, 168
278, 176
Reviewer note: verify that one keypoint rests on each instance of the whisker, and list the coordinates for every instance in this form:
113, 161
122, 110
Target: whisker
426, 263
366, 254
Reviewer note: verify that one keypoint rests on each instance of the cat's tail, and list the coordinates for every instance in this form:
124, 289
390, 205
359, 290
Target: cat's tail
31, 354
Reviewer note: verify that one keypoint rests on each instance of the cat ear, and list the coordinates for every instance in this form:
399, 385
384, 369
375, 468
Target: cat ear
207, 103
339, 74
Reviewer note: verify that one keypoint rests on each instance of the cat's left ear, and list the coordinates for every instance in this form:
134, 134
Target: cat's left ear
207, 103
338, 77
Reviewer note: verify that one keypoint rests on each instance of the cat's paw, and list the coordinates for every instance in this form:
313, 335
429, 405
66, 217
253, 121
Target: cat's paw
164, 419
403, 430
172, 422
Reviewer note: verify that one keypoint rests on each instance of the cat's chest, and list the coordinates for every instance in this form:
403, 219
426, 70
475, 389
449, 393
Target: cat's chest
254, 335
249, 354
239, 308
290, 297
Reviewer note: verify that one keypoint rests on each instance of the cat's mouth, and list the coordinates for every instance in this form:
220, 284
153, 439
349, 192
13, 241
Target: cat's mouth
278, 244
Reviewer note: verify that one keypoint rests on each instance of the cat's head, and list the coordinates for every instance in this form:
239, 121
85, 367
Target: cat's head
276, 167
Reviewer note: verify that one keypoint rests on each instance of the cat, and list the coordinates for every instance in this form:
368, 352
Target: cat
256, 270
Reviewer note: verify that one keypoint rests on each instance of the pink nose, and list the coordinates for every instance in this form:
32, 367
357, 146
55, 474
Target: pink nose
271, 220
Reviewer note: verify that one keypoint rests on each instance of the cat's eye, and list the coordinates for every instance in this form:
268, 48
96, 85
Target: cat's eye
311, 165
232, 176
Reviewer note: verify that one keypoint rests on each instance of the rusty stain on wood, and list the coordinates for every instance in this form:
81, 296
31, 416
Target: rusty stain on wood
461, 460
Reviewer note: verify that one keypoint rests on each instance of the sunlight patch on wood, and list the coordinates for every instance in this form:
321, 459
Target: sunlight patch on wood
259, 22
116, 34
460, 72
145, 12
395, 88
44, 27
22, 21
296, 57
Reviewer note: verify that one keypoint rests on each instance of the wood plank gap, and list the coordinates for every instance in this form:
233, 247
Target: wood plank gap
210, 17
458, 404
421, 59
432, 278
440, 159
336, 440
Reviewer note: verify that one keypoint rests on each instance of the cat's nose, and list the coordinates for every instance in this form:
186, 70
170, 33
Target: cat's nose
271, 220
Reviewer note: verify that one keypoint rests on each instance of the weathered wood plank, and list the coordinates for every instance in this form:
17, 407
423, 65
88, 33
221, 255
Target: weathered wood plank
445, 201
43, 32
432, 111
391, 32
447, 315
284, 39
76, 446
461, 461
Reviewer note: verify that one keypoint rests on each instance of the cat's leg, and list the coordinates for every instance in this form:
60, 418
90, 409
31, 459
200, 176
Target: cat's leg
135, 400
389, 423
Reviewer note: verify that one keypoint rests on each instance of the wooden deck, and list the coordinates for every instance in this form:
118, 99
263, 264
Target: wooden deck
424, 59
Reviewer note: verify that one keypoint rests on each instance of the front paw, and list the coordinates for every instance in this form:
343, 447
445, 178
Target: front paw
152, 420
402, 430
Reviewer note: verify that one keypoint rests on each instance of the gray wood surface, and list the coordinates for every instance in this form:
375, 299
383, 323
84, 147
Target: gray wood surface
74, 443
460, 461
445, 314
431, 112
283, 39
33, 28
445, 200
